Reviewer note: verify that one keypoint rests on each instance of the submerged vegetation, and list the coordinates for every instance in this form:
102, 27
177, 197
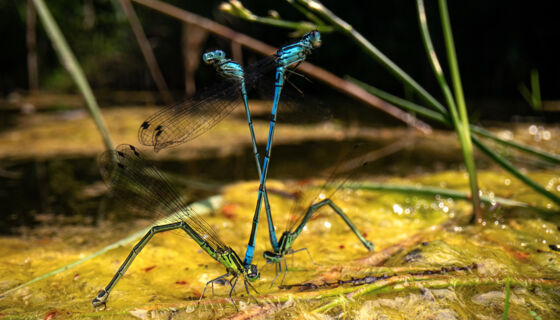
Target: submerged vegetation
427, 261
430, 259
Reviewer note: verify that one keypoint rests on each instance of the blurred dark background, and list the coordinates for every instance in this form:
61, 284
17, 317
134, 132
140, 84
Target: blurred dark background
497, 42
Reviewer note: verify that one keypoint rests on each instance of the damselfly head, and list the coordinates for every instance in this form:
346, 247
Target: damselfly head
214, 56
252, 272
314, 37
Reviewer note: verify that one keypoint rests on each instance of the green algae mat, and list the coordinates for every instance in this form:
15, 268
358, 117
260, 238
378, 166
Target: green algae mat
429, 262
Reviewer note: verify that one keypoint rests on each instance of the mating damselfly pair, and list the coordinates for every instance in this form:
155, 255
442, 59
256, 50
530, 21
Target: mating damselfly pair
138, 183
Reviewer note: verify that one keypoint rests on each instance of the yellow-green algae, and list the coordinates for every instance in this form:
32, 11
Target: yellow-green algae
73, 134
415, 236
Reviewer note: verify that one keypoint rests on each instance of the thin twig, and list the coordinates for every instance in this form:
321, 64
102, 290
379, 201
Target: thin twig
236, 8
192, 39
147, 51
31, 41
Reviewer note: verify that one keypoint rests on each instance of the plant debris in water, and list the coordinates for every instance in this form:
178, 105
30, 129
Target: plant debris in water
428, 262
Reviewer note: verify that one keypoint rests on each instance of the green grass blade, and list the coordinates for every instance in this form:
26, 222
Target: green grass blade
453, 65
318, 8
465, 136
460, 119
443, 119
536, 90
526, 94
447, 193
70, 63
236, 9
513, 170
308, 14
506, 303
403, 103
547, 156
535, 315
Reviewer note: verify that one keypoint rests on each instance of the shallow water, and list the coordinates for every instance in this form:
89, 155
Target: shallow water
428, 263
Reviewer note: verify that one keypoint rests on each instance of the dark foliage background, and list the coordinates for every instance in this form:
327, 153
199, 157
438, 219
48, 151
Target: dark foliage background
498, 43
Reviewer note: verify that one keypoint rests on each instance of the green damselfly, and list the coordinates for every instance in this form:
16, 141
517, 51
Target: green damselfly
139, 185
334, 182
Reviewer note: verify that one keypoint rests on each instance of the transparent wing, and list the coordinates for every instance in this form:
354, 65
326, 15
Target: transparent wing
190, 118
139, 185
345, 170
187, 120
295, 105
255, 71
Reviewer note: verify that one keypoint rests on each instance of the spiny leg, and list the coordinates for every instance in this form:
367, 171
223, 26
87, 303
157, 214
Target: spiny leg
301, 75
350, 224
286, 264
278, 269
211, 282
218, 279
103, 295
308, 254
327, 202
285, 270
250, 285
247, 284
232, 285
231, 291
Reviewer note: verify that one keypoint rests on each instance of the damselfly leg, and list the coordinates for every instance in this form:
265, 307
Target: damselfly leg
103, 295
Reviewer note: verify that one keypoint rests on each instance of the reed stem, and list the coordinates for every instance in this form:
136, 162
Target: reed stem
444, 119
69, 62
506, 303
456, 106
